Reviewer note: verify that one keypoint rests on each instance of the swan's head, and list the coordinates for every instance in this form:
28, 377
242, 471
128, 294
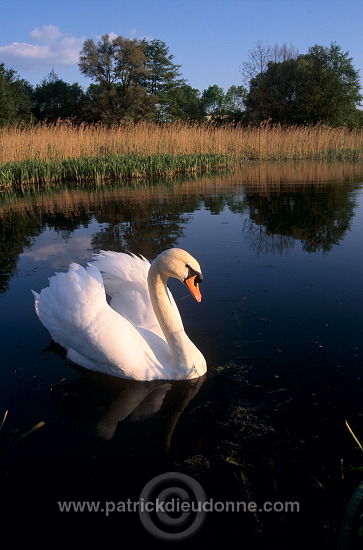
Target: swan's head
179, 264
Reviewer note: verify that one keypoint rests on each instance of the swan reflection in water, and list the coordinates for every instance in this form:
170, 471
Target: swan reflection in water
101, 402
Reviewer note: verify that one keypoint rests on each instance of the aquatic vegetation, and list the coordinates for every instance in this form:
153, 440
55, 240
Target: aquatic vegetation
354, 436
3, 418
46, 153
107, 167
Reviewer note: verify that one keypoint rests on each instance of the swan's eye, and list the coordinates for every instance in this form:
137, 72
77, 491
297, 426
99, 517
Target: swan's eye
198, 277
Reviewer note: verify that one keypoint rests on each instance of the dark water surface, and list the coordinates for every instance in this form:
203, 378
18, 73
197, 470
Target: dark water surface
280, 324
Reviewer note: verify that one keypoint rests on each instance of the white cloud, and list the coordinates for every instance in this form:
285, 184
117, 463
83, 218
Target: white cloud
113, 35
46, 33
50, 47
24, 50
134, 33
57, 253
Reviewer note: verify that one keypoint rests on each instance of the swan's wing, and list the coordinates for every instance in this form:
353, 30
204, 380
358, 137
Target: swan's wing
118, 268
75, 311
125, 280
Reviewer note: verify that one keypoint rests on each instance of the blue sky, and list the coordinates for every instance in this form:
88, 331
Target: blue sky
210, 39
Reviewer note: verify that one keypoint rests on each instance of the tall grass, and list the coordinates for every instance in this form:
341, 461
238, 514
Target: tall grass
55, 152
260, 177
106, 167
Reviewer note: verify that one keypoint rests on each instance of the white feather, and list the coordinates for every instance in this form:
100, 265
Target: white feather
124, 338
125, 280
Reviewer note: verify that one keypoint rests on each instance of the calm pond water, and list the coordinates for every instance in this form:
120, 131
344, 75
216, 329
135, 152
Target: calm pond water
280, 324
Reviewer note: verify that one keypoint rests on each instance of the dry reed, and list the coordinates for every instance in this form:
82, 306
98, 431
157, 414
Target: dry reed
64, 141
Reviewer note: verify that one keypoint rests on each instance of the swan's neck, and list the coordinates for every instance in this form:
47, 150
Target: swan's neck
183, 351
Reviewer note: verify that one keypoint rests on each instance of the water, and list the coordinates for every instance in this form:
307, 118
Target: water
280, 324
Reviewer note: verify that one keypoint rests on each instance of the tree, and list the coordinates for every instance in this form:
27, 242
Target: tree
273, 95
329, 86
119, 66
163, 78
15, 98
53, 99
163, 73
234, 102
131, 64
257, 64
262, 55
321, 86
213, 101
184, 104
104, 102
222, 106
98, 61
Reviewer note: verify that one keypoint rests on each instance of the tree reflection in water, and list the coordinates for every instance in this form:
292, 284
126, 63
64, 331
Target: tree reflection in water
310, 202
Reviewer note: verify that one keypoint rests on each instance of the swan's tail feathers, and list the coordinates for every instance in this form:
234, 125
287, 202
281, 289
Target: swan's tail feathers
118, 268
70, 302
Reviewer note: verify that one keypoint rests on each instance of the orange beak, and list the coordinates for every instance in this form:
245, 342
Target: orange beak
194, 288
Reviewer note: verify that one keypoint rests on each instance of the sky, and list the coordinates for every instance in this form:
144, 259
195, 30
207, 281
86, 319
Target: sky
210, 39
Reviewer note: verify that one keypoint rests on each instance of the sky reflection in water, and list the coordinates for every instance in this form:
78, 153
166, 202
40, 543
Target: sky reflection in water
280, 250
282, 264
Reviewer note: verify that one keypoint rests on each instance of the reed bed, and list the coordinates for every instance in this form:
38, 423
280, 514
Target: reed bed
105, 167
261, 177
45, 153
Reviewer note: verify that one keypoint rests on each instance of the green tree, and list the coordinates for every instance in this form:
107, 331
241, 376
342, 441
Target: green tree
330, 87
131, 64
220, 106
263, 54
15, 98
321, 86
119, 67
163, 79
53, 99
184, 103
273, 95
163, 73
213, 101
98, 61
104, 102
234, 102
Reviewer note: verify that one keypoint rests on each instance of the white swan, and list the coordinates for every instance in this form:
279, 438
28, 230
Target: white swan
140, 335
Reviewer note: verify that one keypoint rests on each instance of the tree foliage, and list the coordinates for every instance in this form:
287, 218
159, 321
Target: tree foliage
98, 61
136, 80
264, 54
221, 106
54, 99
119, 67
213, 101
184, 103
321, 86
163, 73
234, 102
15, 101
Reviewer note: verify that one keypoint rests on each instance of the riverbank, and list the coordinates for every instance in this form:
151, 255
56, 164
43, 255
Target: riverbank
45, 154
107, 167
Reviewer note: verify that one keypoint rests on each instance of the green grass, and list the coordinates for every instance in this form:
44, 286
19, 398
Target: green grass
108, 167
